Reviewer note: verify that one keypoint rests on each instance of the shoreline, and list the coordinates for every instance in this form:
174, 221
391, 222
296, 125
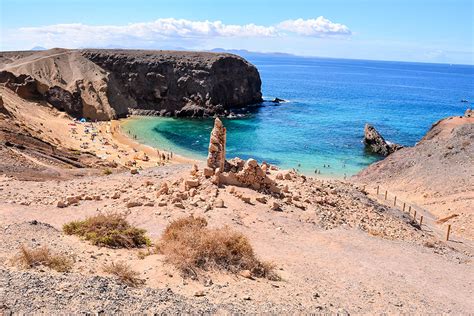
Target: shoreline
123, 138
153, 153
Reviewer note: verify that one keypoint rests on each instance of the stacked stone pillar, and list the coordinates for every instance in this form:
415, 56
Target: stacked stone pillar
216, 156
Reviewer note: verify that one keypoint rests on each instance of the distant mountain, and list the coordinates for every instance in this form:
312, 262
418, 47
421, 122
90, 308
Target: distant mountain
244, 52
38, 48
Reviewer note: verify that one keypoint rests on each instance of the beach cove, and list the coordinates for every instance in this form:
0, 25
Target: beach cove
329, 102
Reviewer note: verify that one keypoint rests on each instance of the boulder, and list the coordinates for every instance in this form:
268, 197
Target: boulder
191, 183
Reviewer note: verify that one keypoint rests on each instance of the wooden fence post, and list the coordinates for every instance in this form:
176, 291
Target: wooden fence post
421, 220
404, 206
386, 194
447, 233
378, 187
409, 209
414, 215
395, 201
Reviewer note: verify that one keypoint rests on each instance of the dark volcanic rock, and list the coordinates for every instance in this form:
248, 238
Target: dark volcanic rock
278, 100
376, 143
65, 100
179, 83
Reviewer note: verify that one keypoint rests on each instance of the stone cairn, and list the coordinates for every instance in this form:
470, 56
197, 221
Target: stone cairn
216, 156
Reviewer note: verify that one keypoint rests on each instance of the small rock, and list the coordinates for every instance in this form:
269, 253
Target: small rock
246, 199
134, 204
275, 206
246, 274
179, 205
208, 172
199, 293
219, 203
71, 200
116, 195
61, 204
191, 183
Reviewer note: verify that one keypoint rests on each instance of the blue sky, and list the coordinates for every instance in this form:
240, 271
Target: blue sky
416, 30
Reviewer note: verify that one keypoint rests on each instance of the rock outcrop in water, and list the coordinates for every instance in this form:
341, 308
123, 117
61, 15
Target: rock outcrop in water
376, 143
106, 84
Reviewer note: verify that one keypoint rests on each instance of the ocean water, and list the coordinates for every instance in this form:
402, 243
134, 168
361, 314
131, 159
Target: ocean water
322, 124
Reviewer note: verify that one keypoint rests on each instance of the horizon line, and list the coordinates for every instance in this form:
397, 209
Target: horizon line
229, 50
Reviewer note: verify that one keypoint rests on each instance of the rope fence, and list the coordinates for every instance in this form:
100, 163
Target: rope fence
420, 216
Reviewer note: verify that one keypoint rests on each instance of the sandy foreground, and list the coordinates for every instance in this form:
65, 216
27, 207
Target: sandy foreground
336, 248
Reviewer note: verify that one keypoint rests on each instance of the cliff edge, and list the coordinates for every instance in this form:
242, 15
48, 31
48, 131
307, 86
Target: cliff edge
107, 84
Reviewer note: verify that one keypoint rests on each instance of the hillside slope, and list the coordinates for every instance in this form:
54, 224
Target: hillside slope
437, 173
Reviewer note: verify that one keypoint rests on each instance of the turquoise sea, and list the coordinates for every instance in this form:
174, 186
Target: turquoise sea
329, 101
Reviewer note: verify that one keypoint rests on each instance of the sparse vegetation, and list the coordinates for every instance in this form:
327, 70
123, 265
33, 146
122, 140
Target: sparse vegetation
109, 230
189, 244
124, 273
107, 171
30, 258
142, 254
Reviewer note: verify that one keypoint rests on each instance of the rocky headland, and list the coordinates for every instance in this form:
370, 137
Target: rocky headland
108, 84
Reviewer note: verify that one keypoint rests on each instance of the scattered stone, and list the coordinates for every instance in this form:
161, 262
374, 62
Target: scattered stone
61, 204
219, 203
275, 206
246, 274
179, 205
261, 199
208, 172
134, 204
116, 195
72, 200
191, 183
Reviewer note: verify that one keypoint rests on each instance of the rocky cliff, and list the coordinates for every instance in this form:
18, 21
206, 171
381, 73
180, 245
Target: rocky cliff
106, 84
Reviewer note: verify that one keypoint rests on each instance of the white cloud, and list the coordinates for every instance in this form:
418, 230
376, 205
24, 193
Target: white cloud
319, 27
165, 31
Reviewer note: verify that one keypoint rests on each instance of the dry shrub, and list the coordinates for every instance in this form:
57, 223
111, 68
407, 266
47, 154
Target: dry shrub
109, 230
124, 273
30, 258
142, 254
188, 244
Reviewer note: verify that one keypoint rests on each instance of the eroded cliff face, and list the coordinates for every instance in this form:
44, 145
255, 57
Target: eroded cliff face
106, 84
